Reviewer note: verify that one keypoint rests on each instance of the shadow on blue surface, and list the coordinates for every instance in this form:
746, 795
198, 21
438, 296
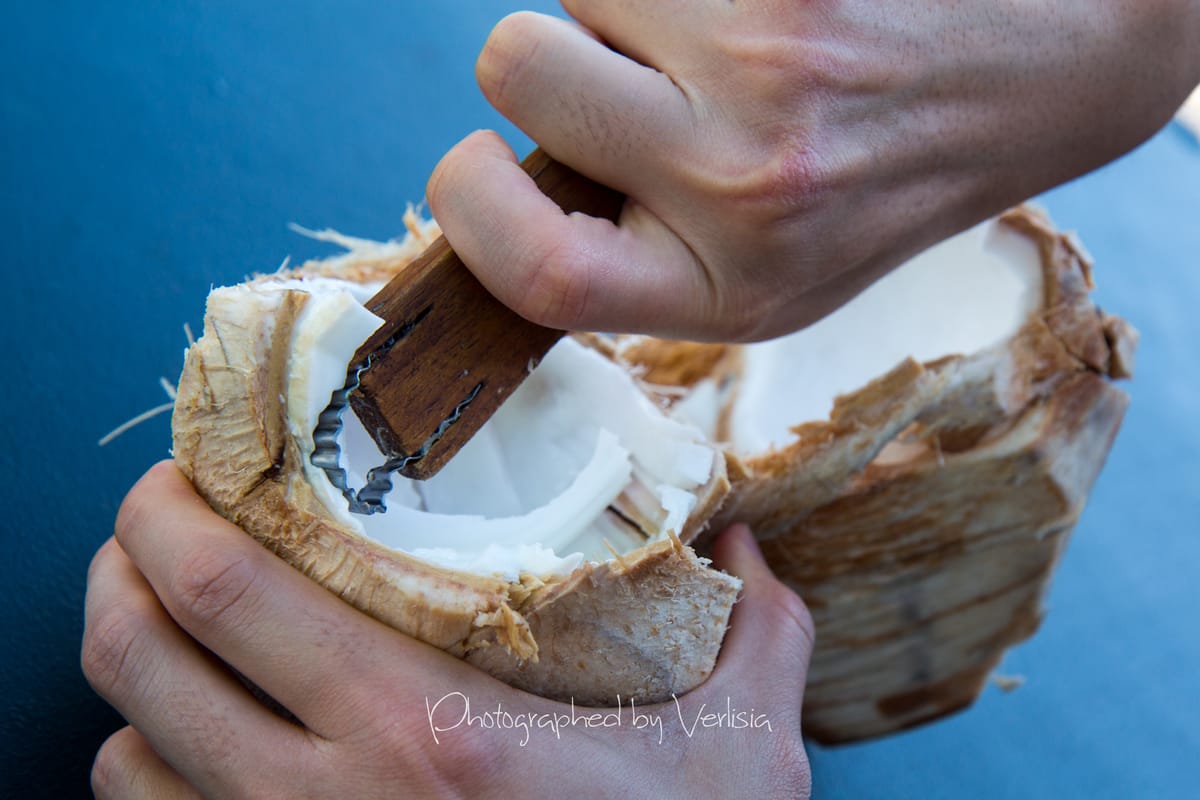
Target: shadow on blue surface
152, 150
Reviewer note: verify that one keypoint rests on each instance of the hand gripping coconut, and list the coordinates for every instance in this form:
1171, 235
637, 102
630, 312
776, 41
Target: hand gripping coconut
913, 465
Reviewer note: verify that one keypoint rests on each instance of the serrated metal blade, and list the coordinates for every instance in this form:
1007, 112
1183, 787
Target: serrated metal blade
327, 453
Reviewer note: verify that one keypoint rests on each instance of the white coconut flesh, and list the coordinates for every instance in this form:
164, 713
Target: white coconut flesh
966, 294
537, 489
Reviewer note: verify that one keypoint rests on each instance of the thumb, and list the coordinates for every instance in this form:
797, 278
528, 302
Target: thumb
771, 634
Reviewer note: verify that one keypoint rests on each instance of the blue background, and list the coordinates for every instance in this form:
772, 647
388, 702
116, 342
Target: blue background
151, 150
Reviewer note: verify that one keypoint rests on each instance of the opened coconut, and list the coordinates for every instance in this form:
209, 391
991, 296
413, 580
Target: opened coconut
912, 465
550, 551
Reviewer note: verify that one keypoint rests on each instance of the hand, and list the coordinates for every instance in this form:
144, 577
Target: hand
780, 157
180, 592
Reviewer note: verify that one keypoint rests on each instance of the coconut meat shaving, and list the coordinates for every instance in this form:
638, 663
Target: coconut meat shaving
533, 491
970, 292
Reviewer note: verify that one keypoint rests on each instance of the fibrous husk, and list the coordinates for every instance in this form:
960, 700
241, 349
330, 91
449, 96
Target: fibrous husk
645, 623
922, 520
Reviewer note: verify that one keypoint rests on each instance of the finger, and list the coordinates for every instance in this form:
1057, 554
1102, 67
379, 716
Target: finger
770, 631
128, 768
326, 662
657, 33
567, 271
188, 705
588, 106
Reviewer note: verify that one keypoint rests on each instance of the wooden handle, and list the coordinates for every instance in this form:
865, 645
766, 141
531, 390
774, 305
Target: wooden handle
449, 353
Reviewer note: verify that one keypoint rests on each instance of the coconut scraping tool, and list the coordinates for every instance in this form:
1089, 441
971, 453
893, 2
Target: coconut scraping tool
446, 357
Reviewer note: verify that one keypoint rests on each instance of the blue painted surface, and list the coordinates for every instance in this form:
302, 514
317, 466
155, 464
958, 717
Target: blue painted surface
1111, 703
148, 151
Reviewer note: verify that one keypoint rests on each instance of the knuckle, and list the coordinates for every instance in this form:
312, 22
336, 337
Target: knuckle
142, 500
102, 558
113, 654
756, 60
459, 170
795, 57
391, 750
556, 289
507, 56
388, 730
468, 769
788, 764
777, 765
787, 604
776, 182
110, 768
798, 177
212, 588
436, 181
446, 179
132, 514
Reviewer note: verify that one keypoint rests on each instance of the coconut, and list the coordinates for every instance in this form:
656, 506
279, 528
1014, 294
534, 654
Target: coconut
912, 465
551, 550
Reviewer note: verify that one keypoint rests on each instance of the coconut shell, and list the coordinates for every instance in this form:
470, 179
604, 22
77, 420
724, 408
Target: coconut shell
656, 603
645, 626
922, 521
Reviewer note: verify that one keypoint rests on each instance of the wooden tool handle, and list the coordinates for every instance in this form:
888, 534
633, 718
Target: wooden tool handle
449, 353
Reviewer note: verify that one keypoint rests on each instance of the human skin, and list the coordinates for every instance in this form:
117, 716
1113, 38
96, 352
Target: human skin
778, 158
179, 592
781, 156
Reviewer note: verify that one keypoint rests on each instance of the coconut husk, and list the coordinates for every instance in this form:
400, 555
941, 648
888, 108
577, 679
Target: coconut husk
922, 521
645, 625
